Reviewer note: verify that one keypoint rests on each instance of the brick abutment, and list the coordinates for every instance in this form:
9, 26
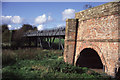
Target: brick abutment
96, 29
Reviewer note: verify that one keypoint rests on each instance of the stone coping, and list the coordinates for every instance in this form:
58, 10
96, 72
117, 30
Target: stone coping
99, 11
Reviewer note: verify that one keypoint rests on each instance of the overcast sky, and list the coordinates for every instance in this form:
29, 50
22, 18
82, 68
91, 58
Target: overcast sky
44, 15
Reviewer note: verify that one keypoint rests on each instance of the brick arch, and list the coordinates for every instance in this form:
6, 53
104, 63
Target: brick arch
98, 32
97, 49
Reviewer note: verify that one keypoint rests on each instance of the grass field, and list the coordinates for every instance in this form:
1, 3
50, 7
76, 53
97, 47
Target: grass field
42, 64
57, 40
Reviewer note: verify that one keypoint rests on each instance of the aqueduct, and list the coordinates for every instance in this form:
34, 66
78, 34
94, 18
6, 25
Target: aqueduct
92, 39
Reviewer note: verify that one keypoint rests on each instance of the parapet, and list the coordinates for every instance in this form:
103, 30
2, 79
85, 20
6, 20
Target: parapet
107, 9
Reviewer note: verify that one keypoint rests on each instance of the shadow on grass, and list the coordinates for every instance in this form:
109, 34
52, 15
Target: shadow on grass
11, 76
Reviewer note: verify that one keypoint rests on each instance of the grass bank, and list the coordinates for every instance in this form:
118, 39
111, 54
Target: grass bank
42, 64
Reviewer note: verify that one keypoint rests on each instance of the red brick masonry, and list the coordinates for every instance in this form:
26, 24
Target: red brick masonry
97, 28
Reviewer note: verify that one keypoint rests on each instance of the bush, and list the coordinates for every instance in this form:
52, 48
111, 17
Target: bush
61, 66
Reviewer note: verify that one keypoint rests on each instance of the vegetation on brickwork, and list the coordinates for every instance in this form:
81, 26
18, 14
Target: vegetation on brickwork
42, 64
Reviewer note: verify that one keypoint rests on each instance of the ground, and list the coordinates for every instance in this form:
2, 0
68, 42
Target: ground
42, 64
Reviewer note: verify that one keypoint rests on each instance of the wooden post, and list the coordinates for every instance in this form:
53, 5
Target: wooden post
59, 42
53, 39
48, 42
41, 43
62, 46
10, 39
29, 42
36, 42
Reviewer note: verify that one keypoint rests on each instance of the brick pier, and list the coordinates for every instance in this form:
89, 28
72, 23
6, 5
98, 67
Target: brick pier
97, 28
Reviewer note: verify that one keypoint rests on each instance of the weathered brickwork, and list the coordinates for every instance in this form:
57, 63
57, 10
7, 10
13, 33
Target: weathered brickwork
99, 11
108, 52
70, 42
97, 28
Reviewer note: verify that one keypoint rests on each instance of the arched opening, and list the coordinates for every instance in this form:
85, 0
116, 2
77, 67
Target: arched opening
89, 58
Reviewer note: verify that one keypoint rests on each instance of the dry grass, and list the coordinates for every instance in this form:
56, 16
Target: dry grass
11, 56
8, 56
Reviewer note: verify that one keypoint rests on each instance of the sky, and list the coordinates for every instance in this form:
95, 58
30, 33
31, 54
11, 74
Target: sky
43, 15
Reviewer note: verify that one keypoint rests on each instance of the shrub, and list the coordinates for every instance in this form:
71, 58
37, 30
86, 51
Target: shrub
61, 66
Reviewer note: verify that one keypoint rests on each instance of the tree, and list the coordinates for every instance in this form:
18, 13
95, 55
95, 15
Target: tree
87, 6
4, 28
5, 34
26, 27
18, 35
35, 28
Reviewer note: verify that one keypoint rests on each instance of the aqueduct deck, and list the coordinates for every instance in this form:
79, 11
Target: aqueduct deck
39, 37
47, 33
